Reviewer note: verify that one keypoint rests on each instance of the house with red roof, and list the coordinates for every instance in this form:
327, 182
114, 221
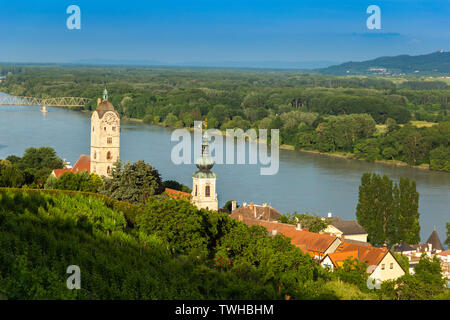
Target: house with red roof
83, 164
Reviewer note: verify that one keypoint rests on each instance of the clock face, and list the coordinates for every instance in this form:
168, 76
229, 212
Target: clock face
110, 118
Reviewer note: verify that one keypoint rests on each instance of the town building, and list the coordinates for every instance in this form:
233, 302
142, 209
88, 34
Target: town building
381, 263
260, 212
105, 137
105, 142
204, 194
350, 229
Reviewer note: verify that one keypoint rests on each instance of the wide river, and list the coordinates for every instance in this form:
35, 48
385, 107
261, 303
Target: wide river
305, 182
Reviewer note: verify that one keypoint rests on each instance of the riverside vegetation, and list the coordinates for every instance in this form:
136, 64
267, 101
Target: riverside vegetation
363, 117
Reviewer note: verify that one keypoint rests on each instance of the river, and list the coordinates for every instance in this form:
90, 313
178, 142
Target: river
305, 182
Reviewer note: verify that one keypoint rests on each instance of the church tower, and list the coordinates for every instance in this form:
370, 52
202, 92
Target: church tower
105, 137
204, 194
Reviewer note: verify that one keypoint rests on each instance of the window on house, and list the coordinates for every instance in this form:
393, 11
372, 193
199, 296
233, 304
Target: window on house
207, 191
109, 140
382, 266
108, 156
392, 265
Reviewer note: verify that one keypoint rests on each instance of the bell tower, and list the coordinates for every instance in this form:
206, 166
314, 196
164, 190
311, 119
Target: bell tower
105, 137
204, 194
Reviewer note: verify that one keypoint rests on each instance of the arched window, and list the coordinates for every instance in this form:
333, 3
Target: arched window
195, 190
207, 191
93, 128
108, 155
95, 155
108, 170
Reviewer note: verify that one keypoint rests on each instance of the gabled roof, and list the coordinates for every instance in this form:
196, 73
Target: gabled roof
175, 194
305, 240
83, 164
370, 255
402, 247
435, 241
338, 258
347, 226
253, 211
60, 172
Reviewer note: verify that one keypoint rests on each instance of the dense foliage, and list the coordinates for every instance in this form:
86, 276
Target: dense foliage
315, 112
133, 183
387, 211
312, 222
31, 170
174, 252
81, 181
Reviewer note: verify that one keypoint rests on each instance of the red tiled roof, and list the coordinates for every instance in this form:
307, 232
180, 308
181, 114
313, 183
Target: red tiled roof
60, 172
444, 253
83, 164
177, 194
370, 255
305, 240
338, 258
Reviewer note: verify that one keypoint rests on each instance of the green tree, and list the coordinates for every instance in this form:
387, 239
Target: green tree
134, 183
440, 158
353, 271
447, 241
312, 222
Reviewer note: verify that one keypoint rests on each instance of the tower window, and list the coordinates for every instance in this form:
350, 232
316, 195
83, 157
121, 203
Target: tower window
104, 128
108, 170
108, 155
207, 191
109, 140
95, 155
195, 190
93, 128
113, 128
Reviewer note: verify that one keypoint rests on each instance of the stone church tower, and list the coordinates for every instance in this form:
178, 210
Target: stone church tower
105, 137
204, 194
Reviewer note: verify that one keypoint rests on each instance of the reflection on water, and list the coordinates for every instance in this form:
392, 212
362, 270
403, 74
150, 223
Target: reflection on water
305, 181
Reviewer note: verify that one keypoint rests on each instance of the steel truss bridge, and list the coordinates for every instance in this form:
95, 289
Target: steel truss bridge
49, 102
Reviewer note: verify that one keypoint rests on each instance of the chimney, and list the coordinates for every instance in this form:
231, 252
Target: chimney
298, 227
330, 215
274, 232
244, 204
265, 204
233, 205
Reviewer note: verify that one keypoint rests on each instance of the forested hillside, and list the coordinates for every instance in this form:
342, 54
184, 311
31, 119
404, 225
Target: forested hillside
166, 249
437, 63
362, 117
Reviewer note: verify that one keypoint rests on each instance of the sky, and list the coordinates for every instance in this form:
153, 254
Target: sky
213, 31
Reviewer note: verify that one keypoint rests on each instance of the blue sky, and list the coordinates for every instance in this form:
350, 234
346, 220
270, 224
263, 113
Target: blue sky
209, 31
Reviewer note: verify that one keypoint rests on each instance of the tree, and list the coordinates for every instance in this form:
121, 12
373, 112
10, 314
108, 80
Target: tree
134, 183
11, 176
440, 158
447, 242
353, 271
313, 222
172, 184
40, 158
388, 212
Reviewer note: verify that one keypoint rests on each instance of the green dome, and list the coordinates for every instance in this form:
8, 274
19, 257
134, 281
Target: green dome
203, 174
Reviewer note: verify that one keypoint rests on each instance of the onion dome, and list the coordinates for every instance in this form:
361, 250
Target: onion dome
205, 162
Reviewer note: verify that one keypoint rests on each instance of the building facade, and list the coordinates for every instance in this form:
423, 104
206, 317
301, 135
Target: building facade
105, 137
204, 194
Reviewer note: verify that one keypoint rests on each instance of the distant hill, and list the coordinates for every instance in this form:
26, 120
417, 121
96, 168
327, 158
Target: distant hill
437, 63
